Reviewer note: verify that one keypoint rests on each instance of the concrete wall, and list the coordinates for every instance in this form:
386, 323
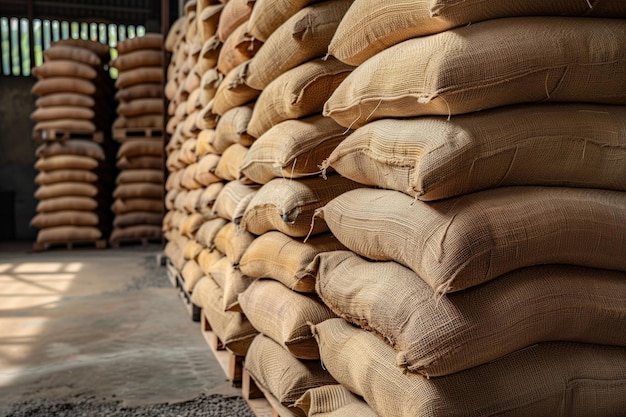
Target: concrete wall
17, 156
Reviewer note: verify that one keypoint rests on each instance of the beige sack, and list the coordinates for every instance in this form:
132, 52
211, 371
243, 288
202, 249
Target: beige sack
50, 205
138, 91
154, 205
140, 175
233, 199
333, 401
71, 53
138, 190
238, 48
140, 147
228, 167
135, 218
70, 125
65, 234
233, 91
140, 107
65, 68
70, 147
268, 15
208, 230
235, 13
54, 85
148, 41
139, 75
233, 242
65, 175
205, 172
207, 200
66, 189
140, 162
136, 232
65, 99
191, 274
64, 218
232, 128
65, 162
209, 21
137, 59
42, 114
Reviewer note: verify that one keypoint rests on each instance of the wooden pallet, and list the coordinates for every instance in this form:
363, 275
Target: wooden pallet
177, 281
61, 134
144, 241
123, 134
260, 399
98, 244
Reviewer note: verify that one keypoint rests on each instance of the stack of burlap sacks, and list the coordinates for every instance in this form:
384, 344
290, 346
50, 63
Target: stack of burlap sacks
74, 175
138, 205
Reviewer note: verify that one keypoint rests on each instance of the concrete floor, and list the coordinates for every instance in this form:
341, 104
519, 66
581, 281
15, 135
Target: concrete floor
104, 323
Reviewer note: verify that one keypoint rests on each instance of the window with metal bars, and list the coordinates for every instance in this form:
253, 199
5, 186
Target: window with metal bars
23, 41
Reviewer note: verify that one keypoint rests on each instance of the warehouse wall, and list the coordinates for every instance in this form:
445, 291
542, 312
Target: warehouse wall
17, 156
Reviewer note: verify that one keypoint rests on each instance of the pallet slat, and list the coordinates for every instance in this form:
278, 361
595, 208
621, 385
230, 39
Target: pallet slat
98, 244
61, 134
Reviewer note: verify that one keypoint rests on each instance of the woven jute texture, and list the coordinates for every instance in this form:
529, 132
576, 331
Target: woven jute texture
237, 49
43, 114
137, 204
188, 179
232, 201
268, 15
52, 163
218, 272
191, 274
284, 376
64, 68
207, 199
66, 189
206, 258
140, 175
66, 203
292, 149
301, 91
65, 175
70, 147
548, 379
333, 401
71, 53
136, 232
205, 172
139, 190
232, 128
64, 218
370, 26
228, 167
232, 282
437, 337
134, 218
284, 315
233, 242
287, 260
68, 234
140, 147
233, 91
141, 106
288, 205
235, 13
304, 36
486, 65
431, 158
207, 232
209, 18
233, 328
464, 241
66, 99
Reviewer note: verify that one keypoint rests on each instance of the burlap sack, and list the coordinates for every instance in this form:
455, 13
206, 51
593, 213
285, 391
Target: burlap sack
207, 258
65, 162
333, 401
64, 234
436, 337
71, 53
218, 272
233, 91
70, 147
145, 121
208, 230
432, 158
65, 175
235, 13
288, 206
65, 99
461, 242
232, 281
203, 144
179, 202
140, 162
303, 37
135, 218
548, 379
371, 26
205, 172
138, 91
70, 125
205, 118
170, 197
136, 232
64, 68
54, 85
238, 48
469, 69
228, 167
209, 21
139, 75
188, 151
140, 147
287, 260
137, 59
209, 82
233, 242
154, 205
61, 112
284, 316
50, 205
98, 48
284, 376
268, 15
191, 274
138, 190
209, 54
232, 328
298, 92
66, 189
140, 175
64, 218
207, 200
232, 201
140, 107
190, 225
292, 149
189, 177
148, 41
232, 128
192, 200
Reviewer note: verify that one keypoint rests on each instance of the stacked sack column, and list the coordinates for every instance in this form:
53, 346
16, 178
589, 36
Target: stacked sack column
75, 177
138, 205
498, 235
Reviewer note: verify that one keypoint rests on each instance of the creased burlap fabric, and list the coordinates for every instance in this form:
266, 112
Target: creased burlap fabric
547, 380
233, 242
333, 401
460, 242
268, 15
233, 200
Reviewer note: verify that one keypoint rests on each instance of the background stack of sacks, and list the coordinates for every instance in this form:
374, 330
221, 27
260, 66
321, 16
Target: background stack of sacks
498, 234
138, 205
74, 90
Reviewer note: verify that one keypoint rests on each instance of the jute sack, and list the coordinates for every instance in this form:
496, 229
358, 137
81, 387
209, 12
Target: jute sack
66, 189
232, 128
284, 316
139, 75
70, 147
268, 15
137, 91
170, 198
232, 281
205, 172
50, 205
292, 149
238, 48
140, 107
140, 175
299, 92
71, 53
285, 377
64, 218
55, 162
136, 232
432, 158
209, 21
189, 177
547, 379
148, 41
288, 206
100, 49
208, 230
172, 162
54, 85
65, 99
208, 54
233, 242
228, 167
154, 205
180, 200
303, 37
461, 242
42, 114
138, 190
140, 162
65, 175
191, 274
436, 337
65, 68
228, 204
469, 69
145, 121
209, 82
233, 91
333, 401
207, 200
287, 260
203, 143
72, 125
235, 13
218, 272
190, 225
192, 199
206, 258
62, 234
206, 118
137, 59
135, 218
370, 26
188, 151
140, 147
231, 327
